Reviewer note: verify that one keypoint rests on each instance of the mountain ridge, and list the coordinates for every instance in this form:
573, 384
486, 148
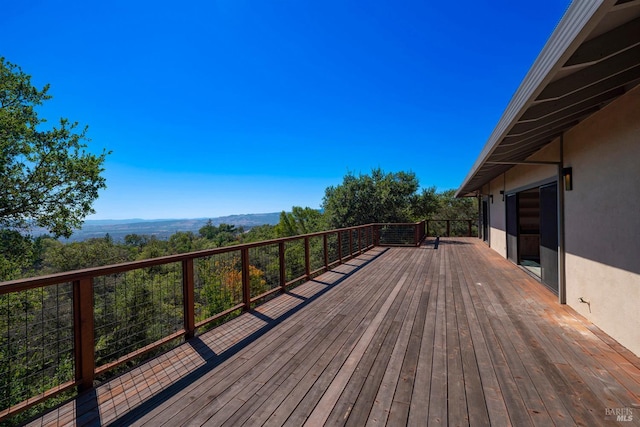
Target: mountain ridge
161, 228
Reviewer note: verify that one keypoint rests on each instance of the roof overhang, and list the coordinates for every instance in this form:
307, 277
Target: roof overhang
592, 57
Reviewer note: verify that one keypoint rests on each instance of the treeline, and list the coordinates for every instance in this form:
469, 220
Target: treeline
25, 256
362, 199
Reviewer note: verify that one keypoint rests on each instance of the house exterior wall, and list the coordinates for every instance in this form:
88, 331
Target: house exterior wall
602, 215
497, 217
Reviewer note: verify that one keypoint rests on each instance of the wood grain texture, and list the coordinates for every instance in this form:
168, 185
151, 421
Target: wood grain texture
400, 336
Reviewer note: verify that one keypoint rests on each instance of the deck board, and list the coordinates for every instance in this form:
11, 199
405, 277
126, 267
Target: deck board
397, 336
419, 405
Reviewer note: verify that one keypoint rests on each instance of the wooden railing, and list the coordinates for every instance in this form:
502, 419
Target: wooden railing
68, 329
451, 227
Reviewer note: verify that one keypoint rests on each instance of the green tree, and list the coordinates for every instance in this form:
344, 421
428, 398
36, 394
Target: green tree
153, 248
59, 257
138, 240
223, 235
181, 242
424, 204
208, 231
227, 234
379, 197
299, 221
16, 254
259, 233
450, 207
47, 177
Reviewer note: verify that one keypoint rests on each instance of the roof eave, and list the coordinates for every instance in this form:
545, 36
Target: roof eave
575, 26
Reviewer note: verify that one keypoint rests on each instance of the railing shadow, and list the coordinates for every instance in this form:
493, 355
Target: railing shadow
213, 359
87, 407
435, 242
453, 241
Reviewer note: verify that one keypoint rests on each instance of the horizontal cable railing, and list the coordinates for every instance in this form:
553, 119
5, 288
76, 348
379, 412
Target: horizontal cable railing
67, 332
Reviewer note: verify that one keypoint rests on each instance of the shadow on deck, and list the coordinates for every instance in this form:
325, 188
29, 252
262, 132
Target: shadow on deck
397, 336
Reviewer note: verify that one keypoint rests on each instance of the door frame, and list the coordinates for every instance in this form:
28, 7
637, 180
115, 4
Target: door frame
514, 193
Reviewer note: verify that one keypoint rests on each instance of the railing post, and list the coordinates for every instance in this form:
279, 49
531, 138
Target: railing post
246, 280
448, 228
340, 246
360, 240
83, 332
188, 298
283, 267
307, 258
350, 242
427, 228
416, 234
325, 244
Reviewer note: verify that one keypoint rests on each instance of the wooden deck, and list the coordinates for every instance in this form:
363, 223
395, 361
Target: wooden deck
398, 336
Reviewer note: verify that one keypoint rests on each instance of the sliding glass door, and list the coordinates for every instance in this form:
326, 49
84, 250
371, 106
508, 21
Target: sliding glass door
549, 235
532, 231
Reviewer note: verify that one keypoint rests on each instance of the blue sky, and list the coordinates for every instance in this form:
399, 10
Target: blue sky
214, 108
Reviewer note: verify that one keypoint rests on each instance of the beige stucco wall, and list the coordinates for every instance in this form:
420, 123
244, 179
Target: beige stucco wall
497, 217
602, 232
602, 215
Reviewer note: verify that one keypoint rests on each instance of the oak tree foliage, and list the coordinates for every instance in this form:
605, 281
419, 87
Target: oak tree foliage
390, 197
47, 176
365, 199
299, 221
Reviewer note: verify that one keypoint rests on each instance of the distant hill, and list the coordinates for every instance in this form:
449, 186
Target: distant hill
162, 228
